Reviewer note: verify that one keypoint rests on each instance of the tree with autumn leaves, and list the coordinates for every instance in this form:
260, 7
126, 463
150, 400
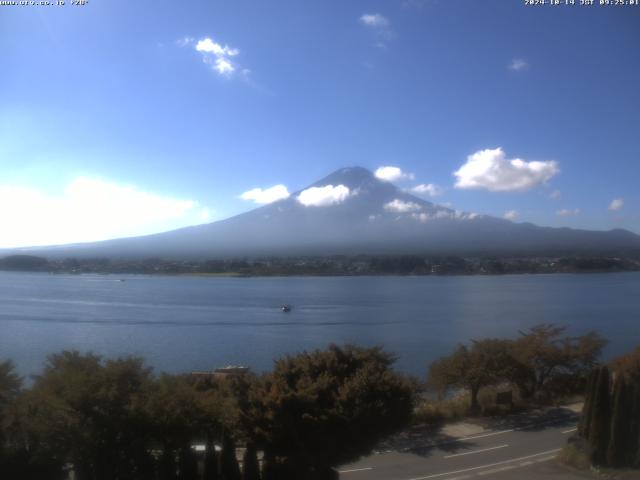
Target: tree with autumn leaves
537, 362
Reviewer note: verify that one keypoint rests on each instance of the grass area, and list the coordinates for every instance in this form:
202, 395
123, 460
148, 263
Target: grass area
574, 457
456, 407
437, 411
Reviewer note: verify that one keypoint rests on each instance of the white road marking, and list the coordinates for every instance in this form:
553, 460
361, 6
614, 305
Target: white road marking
545, 459
481, 436
504, 462
500, 432
496, 470
356, 470
476, 451
571, 430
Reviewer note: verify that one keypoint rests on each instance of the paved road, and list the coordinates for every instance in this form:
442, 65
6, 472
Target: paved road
519, 450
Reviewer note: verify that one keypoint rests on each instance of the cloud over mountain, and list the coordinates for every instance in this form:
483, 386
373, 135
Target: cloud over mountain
511, 214
323, 196
397, 205
430, 189
392, 174
350, 211
565, 212
268, 195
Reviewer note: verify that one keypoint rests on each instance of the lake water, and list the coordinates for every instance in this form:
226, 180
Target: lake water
197, 323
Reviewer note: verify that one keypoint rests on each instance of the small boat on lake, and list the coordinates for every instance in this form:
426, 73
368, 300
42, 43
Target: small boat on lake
286, 307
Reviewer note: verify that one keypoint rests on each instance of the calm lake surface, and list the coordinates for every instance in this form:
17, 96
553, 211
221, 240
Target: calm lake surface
197, 323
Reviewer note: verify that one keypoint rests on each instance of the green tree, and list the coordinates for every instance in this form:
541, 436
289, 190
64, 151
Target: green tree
87, 412
485, 362
10, 386
324, 408
181, 413
10, 383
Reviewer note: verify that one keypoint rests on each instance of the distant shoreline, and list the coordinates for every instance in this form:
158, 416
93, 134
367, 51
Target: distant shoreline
336, 266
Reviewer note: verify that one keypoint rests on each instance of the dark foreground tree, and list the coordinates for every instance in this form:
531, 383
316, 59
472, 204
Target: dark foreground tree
210, 462
600, 418
321, 409
230, 467
268, 470
483, 363
10, 385
620, 432
610, 424
250, 467
587, 409
180, 415
89, 412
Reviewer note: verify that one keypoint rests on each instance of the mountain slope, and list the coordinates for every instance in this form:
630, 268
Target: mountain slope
376, 217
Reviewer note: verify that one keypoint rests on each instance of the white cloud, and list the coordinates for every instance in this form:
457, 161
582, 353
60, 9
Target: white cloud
323, 196
185, 41
429, 189
400, 206
518, 65
381, 27
392, 174
205, 215
207, 45
268, 195
219, 57
511, 214
491, 170
422, 217
374, 20
88, 209
223, 66
466, 215
616, 204
555, 195
568, 213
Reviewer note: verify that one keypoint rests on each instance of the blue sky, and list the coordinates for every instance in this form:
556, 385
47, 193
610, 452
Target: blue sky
121, 118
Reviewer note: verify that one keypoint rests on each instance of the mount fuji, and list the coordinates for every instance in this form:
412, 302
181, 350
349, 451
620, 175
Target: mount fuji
353, 212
